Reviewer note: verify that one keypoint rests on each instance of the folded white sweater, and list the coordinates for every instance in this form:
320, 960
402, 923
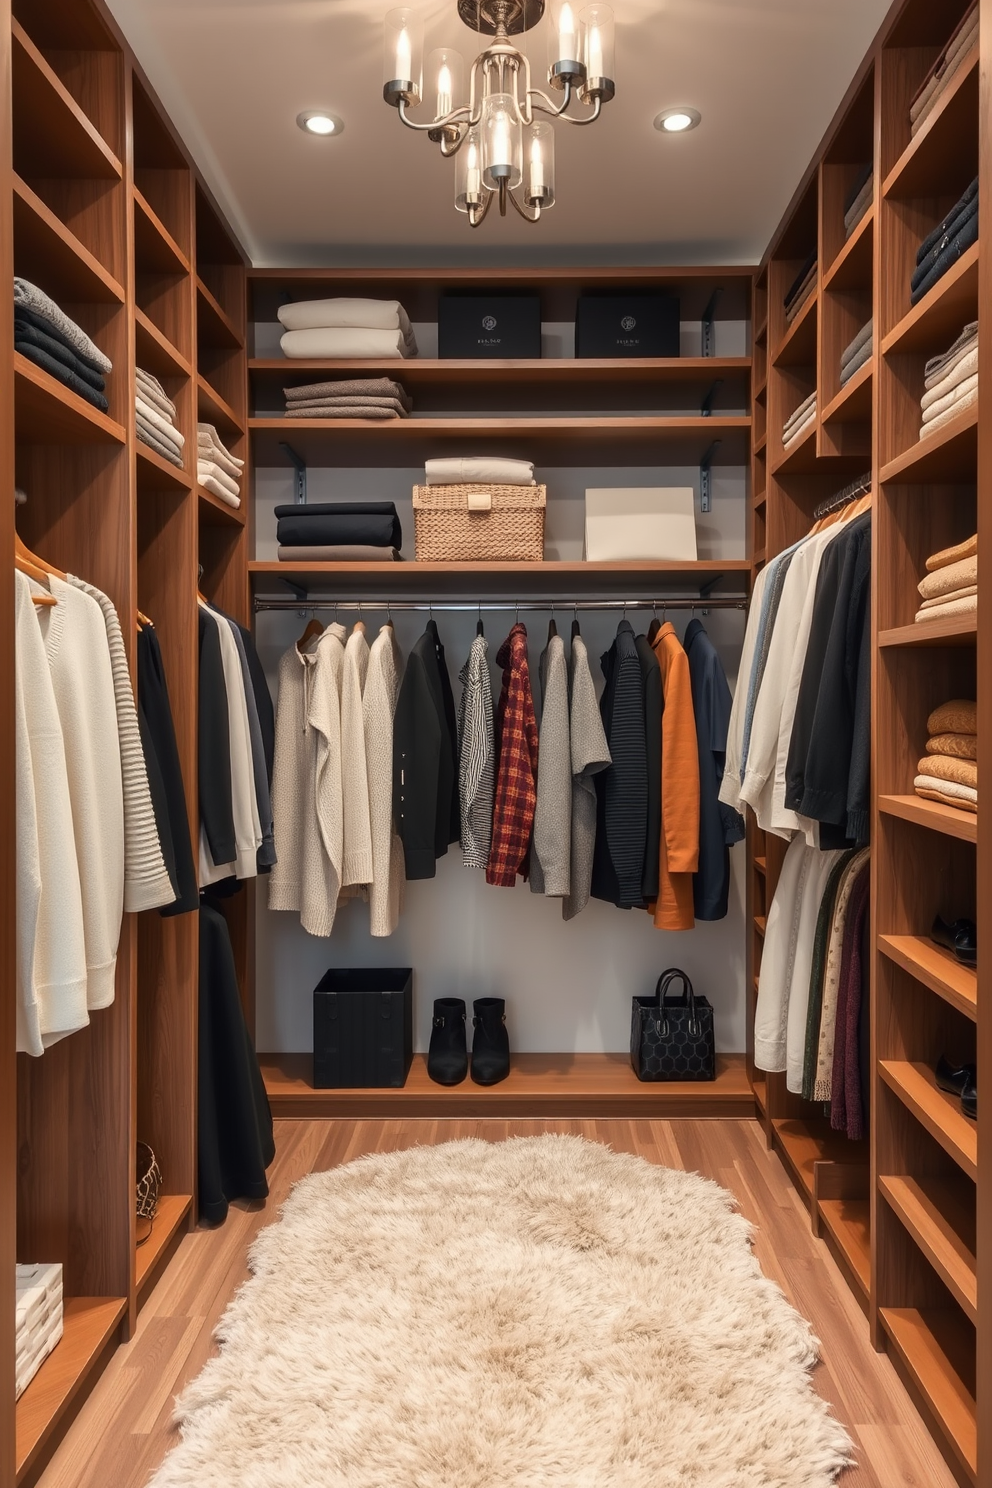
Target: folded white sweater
479, 470
346, 343
356, 314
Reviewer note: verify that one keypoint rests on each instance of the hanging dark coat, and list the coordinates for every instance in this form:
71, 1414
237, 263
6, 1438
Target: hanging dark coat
622, 790
158, 737
720, 826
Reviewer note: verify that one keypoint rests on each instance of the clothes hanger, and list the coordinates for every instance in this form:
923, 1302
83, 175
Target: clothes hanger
575, 621
23, 555
313, 629
480, 629
24, 562
552, 624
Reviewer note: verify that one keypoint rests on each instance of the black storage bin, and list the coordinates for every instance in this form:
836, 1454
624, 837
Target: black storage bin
363, 1028
491, 325
627, 325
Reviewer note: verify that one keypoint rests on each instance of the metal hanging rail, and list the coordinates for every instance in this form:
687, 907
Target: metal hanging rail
703, 603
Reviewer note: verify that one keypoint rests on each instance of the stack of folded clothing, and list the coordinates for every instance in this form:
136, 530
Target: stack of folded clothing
154, 416
479, 471
46, 336
38, 1310
368, 330
854, 357
948, 772
339, 532
943, 247
859, 198
951, 381
353, 398
951, 583
801, 288
797, 424
217, 470
944, 70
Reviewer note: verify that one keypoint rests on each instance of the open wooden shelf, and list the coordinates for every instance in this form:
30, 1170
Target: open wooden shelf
798, 346
849, 1224
420, 371
217, 512
49, 251
852, 268
52, 135
155, 249
936, 969
947, 630
799, 456
938, 319
922, 168
853, 403
88, 1325
154, 352
155, 473
943, 1228
48, 413
213, 409
919, 1339
172, 1212
940, 1114
217, 327
950, 453
593, 1085
932, 815
802, 1144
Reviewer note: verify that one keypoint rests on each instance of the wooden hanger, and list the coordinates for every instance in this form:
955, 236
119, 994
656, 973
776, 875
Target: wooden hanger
26, 561
313, 628
144, 620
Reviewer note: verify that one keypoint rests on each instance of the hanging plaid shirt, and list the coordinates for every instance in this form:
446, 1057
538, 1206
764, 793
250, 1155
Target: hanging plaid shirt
516, 768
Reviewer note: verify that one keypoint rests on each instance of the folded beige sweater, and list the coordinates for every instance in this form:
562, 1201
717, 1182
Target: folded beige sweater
957, 410
951, 576
966, 549
961, 746
959, 716
950, 767
949, 606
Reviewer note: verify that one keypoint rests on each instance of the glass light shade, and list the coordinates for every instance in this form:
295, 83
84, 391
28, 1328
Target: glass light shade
539, 165
444, 81
469, 190
597, 46
564, 44
501, 144
403, 56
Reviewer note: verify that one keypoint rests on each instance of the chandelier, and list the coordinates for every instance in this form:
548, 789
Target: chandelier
499, 129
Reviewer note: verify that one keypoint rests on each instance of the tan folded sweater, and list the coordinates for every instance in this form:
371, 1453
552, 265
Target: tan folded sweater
950, 577
966, 549
961, 746
946, 767
959, 716
962, 803
940, 608
944, 599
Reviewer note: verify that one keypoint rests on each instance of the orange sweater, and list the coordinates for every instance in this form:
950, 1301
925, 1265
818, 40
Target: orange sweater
679, 857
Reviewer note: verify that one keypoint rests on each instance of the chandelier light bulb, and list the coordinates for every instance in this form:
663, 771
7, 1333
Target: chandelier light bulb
402, 67
404, 54
568, 50
444, 89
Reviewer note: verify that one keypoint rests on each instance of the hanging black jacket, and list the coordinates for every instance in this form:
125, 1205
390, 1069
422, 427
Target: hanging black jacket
622, 790
719, 826
263, 699
425, 755
214, 746
653, 707
157, 725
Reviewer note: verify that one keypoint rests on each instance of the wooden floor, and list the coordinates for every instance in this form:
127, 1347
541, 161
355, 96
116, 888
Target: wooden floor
124, 1428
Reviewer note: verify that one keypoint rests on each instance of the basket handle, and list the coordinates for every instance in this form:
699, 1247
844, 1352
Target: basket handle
480, 501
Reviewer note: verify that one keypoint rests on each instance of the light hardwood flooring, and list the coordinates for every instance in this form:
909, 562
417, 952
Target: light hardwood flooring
124, 1429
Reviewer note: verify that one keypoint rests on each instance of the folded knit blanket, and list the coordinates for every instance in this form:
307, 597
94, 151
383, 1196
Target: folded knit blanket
29, 296
207, 469
860, 206
338, 553
165, 427
334, 523
349, 387
801, 414
939, 64
945, 791
962, 406
802, 299
212, 484
799, 430
346, 343
478, 470
966, 549
939, 77
346, 313
944, 397
949, 606
952, 594
25, 330
153, 392
961, 746
337, 411
61, 373
948, 255
862, 359
150, 436
954, 229
950, 576
860, 341
959, 716
970, 193
939, 368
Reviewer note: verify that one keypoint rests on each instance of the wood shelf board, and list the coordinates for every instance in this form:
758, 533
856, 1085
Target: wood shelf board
799, 456
935, 1377
48, 413
849, 1223
930, 1213
947, 630
853, 403
155, 473
55, 254
155, 249
216, 410
760, 1087
951, 453
154, 351
761, 864
921, 169
936, 969
933, 815
936, 320
805, 1143
220, 328
88, 1325
54, 137
940, 1114
418, 371
538, 1085
798, 346
622, 277
852, 268
170, 1215
217, 512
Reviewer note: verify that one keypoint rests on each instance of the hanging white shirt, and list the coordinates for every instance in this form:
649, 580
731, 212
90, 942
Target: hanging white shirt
247, 827
379, 706
356, 861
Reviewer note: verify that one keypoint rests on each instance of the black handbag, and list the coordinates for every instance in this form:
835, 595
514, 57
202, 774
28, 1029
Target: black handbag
671, 1037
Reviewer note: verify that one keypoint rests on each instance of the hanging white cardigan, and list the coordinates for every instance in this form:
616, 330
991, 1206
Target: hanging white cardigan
379, 706
356, 859
247, 827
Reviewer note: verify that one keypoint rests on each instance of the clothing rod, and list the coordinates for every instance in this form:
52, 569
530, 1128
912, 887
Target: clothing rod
706, 602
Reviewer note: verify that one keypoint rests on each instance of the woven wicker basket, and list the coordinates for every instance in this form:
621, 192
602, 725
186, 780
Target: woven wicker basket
479, 524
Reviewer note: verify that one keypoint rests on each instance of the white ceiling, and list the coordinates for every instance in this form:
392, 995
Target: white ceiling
766, 75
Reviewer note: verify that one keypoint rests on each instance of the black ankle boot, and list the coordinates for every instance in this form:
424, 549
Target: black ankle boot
490, 1044
447, 1058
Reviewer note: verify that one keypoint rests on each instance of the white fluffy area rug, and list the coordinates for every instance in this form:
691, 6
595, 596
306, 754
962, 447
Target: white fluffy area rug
537, 1313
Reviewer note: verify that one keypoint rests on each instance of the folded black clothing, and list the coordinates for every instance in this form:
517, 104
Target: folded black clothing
932, 239
797, 283
42, 323
371, 523
62, 373
958, 224
949, 256
25, 331
860, 180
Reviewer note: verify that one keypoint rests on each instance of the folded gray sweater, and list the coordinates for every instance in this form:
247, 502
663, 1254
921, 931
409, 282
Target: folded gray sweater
26, 293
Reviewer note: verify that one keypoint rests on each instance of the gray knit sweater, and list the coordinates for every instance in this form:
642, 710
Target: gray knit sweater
550, 862
476, 755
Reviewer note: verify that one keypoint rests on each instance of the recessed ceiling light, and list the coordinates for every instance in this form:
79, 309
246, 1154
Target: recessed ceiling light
677, 120
318, 121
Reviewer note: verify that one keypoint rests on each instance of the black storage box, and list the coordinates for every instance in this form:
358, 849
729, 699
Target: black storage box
363, 1028
627, 325
489, 326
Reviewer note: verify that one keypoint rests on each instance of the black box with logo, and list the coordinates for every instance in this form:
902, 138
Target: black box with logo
363, 1028
627, 325
489, 326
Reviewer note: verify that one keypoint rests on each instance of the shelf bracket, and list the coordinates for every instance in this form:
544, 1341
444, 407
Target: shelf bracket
709, 339
300, 476
706, 408
705, 477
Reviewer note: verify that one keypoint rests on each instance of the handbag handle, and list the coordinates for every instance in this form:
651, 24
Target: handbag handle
674, 973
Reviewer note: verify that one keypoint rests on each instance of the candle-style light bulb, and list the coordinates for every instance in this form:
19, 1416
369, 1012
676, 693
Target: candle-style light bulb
502, 153
567, 49
404, 55
594, 64
445, 89
474, 174
536, 168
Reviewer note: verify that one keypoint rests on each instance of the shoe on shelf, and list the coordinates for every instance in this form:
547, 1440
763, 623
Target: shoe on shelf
954, 1079
490, 1042
969, 1098
961, 939
447, 1057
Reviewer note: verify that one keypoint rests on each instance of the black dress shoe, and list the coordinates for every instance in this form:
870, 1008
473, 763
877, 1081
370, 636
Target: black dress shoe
961, 939
969, 1098
954, 1079
447, 1057
490, 1043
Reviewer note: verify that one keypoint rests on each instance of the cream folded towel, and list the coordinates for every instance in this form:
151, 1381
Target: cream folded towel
165, 426
938, 365
962, 593
962, 370
957, 410
342, 312
949, 607
346, 343
210, 445
152, 390
210, 483
207, 468
951, 576
479, 470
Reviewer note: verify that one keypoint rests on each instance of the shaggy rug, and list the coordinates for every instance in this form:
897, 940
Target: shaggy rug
537, 1313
